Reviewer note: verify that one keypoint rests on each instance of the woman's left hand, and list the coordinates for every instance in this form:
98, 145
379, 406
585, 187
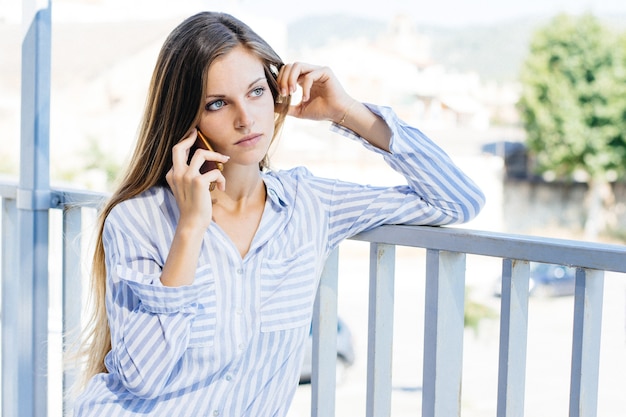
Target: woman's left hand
323, 97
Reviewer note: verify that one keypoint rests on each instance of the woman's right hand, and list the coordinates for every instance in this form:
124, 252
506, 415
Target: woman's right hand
189, 186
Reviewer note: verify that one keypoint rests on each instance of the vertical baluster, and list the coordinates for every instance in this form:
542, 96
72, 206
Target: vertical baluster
443, 333
586, 343
380, 329
324, 373
72, 289
10, 307
513, 338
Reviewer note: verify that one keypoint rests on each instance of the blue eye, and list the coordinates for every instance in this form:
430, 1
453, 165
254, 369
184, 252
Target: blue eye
257, 92
215, 105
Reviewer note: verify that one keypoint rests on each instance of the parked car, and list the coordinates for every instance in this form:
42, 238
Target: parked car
547, 280
345, 353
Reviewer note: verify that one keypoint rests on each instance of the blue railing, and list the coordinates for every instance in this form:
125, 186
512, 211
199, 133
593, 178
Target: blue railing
445, 289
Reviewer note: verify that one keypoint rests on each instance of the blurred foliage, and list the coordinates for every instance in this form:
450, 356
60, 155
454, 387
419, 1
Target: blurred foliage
475, 312
97, 170
97, 158
573, 103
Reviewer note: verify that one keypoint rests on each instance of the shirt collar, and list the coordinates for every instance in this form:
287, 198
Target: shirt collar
275, 190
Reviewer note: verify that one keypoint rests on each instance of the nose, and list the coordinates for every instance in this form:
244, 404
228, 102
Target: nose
243, 117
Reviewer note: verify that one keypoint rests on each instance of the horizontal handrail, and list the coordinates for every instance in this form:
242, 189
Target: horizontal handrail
607, 257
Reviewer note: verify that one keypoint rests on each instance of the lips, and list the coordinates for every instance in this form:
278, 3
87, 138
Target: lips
249, 140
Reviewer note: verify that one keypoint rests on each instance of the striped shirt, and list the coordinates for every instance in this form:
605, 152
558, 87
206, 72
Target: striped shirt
231, 344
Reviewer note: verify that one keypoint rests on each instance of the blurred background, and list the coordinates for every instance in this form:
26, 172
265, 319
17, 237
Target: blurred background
463, 72
528, 97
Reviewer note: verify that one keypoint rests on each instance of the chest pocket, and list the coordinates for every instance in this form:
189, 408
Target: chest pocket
288, 288
203, 326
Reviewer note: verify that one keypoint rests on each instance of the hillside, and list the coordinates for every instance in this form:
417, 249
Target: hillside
494, 51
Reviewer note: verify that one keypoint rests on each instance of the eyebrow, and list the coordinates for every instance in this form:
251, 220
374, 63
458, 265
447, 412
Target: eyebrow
249, 86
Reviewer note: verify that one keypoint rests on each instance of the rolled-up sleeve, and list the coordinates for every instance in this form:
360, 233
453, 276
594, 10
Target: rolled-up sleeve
150, 323
159, 299
437, 192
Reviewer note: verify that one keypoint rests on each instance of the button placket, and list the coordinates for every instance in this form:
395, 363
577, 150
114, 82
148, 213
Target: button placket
239, 319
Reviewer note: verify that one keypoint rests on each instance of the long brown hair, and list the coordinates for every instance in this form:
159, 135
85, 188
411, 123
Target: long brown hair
174, 102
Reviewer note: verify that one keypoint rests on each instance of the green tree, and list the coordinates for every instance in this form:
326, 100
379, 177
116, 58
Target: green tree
573, 106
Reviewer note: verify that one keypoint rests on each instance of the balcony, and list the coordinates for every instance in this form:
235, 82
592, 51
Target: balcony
45, 248
27, 386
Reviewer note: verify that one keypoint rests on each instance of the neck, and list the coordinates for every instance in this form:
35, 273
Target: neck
242, 190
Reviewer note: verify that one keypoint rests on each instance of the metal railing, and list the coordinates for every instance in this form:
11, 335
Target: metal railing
446, 250
25, 329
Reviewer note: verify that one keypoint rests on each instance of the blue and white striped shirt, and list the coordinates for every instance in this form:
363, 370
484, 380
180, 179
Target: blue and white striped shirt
231, 343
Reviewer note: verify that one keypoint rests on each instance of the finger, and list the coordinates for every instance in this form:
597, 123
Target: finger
316, 76
281, 80
180, 151
201, 156
291, 74
287, 79
217, 179
292, 77
211, 179
306, 82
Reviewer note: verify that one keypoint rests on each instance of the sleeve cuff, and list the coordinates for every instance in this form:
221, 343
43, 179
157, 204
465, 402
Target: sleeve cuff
159, 299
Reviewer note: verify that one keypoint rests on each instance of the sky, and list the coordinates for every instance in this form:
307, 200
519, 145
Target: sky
443, 12
440, 12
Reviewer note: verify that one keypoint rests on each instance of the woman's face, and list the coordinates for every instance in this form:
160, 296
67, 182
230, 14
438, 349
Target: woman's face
238, 113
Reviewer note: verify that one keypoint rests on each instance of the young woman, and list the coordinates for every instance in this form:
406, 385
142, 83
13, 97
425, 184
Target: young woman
204, 279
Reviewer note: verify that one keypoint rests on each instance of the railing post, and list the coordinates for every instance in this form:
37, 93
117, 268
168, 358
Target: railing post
33, 203
443, 333
513, 338
380, 329
324, 372
586, 343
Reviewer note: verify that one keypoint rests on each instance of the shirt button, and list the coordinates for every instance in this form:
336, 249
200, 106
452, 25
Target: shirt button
229, 378
241, 346
239, 271
239, 311
216, 413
